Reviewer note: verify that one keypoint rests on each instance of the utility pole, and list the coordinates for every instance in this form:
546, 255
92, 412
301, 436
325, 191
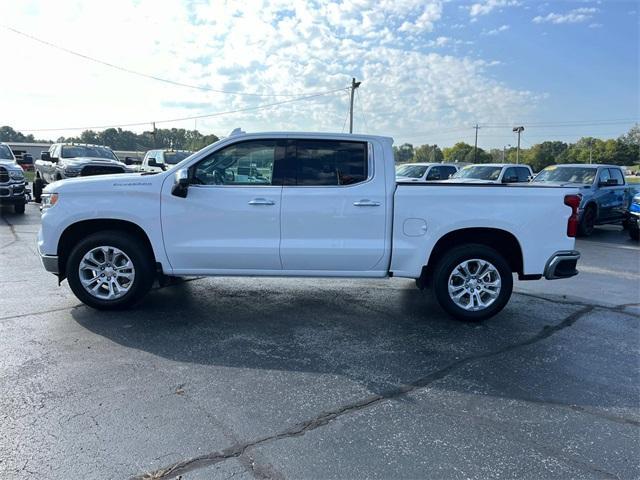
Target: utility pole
519, 131
590, 150
153, 132
475, 146
504, 151
354, 85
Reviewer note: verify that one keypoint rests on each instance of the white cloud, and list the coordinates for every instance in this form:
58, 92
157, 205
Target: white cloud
577, 15
487, 6
276, 46
496, 31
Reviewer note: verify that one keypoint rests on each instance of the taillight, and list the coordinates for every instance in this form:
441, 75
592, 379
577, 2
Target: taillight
572, 201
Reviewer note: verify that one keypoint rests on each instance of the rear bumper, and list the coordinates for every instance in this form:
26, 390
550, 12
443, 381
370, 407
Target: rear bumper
562, 264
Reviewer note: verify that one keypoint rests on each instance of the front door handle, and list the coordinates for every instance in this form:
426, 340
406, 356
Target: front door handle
366, 203
261, 201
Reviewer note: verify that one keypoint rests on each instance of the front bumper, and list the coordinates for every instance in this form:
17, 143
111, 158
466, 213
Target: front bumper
562, 264
50, 263
13, 193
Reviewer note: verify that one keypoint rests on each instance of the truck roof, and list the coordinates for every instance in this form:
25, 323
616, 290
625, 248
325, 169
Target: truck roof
588, 165
327, 135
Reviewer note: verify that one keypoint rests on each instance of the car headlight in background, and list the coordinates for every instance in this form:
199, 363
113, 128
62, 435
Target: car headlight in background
16, 175
72, 171
48, 200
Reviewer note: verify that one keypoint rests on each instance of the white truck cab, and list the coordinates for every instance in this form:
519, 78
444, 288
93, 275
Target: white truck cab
160, 159
304, 204
425, 172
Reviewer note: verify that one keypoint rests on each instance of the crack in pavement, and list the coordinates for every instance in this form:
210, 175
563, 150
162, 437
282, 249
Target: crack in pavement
12, 229
325, 418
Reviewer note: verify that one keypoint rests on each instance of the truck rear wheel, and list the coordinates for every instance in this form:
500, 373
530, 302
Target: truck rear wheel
472, 282
18, 208
110, 270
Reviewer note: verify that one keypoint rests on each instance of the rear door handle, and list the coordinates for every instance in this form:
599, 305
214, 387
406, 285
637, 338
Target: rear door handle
366, 203
261, 201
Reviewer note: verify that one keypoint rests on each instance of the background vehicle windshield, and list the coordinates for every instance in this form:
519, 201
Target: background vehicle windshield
584, 175
411, 171
73, 151
175, 157
5, 153
479, 172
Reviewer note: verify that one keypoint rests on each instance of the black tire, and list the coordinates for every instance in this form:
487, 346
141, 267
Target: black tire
634, 233
450, 261
38, 185
18, 208
588, 222
141, 258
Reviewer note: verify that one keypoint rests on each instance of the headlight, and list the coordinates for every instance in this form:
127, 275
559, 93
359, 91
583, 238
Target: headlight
48, 200
16, 175
72, 171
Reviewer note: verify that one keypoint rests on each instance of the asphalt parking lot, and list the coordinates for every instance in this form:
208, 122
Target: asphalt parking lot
291, 378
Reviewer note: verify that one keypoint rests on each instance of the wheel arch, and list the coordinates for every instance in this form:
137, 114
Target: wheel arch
502, 241
76, 231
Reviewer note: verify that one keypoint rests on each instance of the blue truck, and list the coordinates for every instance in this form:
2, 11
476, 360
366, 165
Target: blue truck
605, 194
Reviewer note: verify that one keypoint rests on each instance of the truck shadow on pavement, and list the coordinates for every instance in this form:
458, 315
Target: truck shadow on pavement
388, 338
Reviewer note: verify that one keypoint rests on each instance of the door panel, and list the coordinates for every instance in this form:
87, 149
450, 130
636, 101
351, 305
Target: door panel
218, 228
230, 219
328, 225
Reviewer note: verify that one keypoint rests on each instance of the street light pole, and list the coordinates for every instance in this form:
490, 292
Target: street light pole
519, 130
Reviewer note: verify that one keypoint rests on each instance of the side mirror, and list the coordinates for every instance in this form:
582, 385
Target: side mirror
45, 156
128, 161
181, 183
154, 163
611, 182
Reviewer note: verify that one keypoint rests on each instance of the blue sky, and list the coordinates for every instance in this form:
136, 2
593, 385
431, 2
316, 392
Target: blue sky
430, 69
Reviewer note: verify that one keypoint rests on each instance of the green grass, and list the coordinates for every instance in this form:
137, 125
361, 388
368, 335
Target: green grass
28, 176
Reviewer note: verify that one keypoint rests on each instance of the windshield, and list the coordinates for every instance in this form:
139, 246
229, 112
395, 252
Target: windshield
75, 151
584, 175
411, 171
5, 153
175, 157
479, 172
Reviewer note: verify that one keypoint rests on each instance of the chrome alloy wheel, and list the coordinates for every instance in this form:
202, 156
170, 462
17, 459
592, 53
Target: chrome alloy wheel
474, 284
106, 273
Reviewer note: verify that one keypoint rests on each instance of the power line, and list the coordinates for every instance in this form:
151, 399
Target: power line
193, 117
146, 75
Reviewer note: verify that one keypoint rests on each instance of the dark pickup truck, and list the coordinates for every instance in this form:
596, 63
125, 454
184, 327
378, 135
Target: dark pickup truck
68, 160
605, 194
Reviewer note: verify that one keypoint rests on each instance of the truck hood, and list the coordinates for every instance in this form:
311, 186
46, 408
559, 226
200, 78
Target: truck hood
10, 165
105, 183
564, 184
468, 180
80, 161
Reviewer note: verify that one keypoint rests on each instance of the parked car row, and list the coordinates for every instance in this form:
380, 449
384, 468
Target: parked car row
606, 197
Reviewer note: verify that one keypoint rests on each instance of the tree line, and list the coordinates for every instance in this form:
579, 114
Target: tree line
119, 139
624, 150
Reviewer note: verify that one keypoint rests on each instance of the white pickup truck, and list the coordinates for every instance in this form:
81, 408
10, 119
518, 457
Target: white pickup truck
304, 205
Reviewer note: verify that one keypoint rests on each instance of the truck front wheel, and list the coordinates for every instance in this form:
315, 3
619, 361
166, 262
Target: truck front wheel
110, 270
472, 282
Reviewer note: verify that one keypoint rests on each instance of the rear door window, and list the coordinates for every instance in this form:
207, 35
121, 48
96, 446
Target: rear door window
330, 162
